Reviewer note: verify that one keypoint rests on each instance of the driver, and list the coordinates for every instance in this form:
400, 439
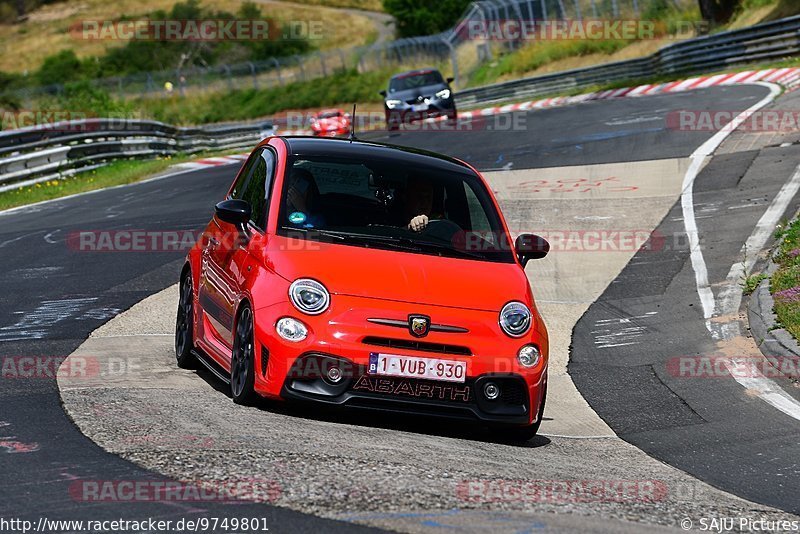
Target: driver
418, 204
301, 198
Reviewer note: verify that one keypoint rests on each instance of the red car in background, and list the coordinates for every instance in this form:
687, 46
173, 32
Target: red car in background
331, 123
368, 276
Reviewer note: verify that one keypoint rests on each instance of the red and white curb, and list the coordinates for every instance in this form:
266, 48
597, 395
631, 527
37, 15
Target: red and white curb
788, 77
213, 162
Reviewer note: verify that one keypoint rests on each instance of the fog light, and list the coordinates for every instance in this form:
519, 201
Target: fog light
528, 356
291, 329
491, 391
334, 375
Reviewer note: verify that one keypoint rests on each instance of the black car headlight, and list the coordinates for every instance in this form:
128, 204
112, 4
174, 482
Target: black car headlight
309, 296
515, 319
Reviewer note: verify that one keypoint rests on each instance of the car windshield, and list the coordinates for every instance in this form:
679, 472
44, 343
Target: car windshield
412, 81
329, 114
391, 205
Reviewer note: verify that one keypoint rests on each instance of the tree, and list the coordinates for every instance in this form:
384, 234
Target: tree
717, 11
421, 17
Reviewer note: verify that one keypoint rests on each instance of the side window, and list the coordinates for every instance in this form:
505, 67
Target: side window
238, 187
258, 185
477, 215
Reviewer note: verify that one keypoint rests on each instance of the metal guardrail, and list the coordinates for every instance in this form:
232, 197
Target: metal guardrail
33, 154
38, 153
763, 42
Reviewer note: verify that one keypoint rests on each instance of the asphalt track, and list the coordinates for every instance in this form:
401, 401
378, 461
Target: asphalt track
53, 297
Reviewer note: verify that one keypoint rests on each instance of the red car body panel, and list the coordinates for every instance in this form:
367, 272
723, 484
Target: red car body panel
364, 283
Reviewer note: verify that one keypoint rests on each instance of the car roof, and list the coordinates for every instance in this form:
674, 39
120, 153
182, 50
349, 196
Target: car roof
415, 72
314, 146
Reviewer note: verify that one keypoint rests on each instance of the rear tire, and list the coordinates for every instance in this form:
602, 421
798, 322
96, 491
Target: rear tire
243, 360
184, 325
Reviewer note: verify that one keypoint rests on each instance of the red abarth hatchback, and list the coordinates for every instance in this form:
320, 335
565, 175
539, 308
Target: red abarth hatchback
369, 276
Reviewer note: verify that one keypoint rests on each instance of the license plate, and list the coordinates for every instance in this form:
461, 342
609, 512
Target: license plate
412, 367
419, 107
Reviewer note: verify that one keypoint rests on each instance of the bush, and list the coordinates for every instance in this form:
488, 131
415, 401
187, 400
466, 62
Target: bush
60, 68
422, 17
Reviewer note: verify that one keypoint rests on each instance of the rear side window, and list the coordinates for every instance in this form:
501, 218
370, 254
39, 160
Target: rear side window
254, 184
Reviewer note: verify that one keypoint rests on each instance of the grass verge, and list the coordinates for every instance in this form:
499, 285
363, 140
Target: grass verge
342, 86
784, 283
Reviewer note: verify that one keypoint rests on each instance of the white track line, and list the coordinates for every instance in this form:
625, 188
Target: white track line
730, 298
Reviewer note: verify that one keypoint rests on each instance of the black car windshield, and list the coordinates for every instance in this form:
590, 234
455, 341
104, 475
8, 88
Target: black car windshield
390, 204
412, 81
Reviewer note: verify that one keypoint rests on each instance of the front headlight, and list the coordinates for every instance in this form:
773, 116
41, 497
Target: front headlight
391, 104
444, 94
309, 296
515, 319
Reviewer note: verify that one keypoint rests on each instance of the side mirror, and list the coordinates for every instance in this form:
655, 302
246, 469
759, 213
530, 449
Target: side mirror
450, 80
531, 247
235, 212
382, 93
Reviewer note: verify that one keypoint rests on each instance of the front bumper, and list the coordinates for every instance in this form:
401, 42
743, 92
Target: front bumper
404, 113
345, 334
360, 390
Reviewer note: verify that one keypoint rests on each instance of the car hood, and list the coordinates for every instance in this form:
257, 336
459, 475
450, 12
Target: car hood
408, 94
400, 276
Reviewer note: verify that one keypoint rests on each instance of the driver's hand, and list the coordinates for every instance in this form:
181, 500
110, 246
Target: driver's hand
418, 223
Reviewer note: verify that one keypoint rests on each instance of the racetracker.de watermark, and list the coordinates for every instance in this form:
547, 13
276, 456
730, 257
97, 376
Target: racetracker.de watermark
75, 367
422, 121
67, 120
209, 30
722, 366
122, 491
771, 120
561, 491
577, 30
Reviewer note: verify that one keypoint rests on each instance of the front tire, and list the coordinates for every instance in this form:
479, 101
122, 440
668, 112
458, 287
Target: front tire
243, 360
524, 434
184, 325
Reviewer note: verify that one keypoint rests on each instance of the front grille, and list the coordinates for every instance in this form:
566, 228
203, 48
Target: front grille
415, 389
514, 392
425, 346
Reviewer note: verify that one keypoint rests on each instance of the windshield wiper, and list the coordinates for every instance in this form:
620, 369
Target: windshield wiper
396, 242
431, 246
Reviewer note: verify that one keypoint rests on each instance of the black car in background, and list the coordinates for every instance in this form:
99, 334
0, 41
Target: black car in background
416, 95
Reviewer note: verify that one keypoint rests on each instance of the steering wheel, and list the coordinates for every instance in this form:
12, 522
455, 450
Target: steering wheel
441, 229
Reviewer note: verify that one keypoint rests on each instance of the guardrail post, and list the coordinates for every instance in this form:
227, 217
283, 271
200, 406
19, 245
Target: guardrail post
322, 64
578, 10
253, 72
544, 10
278, 70
594, 9
228, 76
615, 8
563, 9
302, 69
453, 59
